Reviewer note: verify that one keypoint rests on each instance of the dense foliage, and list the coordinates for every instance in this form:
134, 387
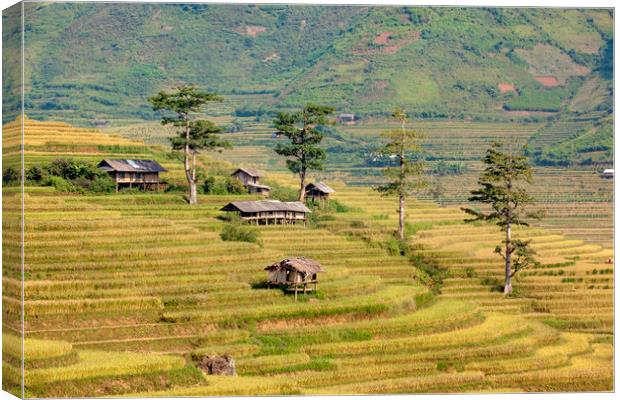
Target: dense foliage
68, 175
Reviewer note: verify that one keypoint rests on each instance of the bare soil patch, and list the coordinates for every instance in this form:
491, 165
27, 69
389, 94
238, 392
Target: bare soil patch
254, 30
506, 87
271, 57
383, 38
548, 80
388, 45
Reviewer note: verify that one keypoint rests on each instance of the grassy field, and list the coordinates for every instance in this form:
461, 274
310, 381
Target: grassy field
124, 292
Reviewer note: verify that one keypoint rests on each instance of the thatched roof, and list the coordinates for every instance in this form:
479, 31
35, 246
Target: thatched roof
123, 165
250, 171
304, 265
265, 205
320, 186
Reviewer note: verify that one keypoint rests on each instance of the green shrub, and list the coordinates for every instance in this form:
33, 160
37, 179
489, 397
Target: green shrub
234, 186
241, 233
283, 193
61, 185
36, 174
224, 186
10, 176
433, 274
103, 184
470, 272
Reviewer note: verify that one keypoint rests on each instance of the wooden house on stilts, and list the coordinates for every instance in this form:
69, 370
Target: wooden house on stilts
318, 191
265, 212
142, 174
295, 274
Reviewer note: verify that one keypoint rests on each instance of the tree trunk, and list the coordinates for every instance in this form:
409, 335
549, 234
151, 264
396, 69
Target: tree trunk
508, 284
193, 197
401, 218
401, 200
302, 186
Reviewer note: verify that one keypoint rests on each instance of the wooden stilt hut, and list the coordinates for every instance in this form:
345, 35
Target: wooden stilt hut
295, 274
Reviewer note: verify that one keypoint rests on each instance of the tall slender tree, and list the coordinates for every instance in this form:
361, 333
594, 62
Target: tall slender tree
303, 152
193, 135
408, 175
502, 186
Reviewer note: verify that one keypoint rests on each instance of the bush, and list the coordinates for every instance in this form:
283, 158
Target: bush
67, 175
61, 185
234, 186
241, 233
10, 176
36, 174
228, 185
103, 184
283, 193
433, 273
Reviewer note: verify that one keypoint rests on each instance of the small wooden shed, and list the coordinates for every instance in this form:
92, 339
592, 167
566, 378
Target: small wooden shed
346, 118
295, 273
318, 191
251, 180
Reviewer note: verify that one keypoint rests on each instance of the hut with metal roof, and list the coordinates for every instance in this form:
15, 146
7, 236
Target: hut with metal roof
143, 174
265, 212
319, 191
295, 274
251, 180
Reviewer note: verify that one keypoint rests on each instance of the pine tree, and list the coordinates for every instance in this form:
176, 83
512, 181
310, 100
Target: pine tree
303, 152
502, 186
194, 135
408, 176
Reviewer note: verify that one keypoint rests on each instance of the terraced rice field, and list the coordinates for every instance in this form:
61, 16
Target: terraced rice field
124, 292
577, 202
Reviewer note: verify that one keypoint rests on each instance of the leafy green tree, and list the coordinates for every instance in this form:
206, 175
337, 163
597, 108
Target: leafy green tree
303, 152
408, 175
193, 135
502, 186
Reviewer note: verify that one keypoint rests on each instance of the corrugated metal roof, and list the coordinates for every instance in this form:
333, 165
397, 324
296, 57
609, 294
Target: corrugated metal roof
250, 171
320, 186
265, 205
304, 265
124, 165
256, 185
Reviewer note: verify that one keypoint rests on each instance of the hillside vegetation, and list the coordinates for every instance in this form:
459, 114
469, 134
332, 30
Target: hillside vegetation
125, 292
432, 61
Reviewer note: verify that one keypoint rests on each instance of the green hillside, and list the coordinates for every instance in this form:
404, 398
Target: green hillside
100, 61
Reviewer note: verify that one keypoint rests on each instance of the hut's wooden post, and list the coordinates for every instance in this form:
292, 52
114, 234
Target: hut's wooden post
295, 292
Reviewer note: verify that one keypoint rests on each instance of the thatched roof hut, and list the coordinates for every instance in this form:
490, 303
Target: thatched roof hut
305, 266
296, 273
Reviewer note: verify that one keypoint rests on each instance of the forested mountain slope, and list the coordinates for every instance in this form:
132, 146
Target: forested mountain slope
105, 59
